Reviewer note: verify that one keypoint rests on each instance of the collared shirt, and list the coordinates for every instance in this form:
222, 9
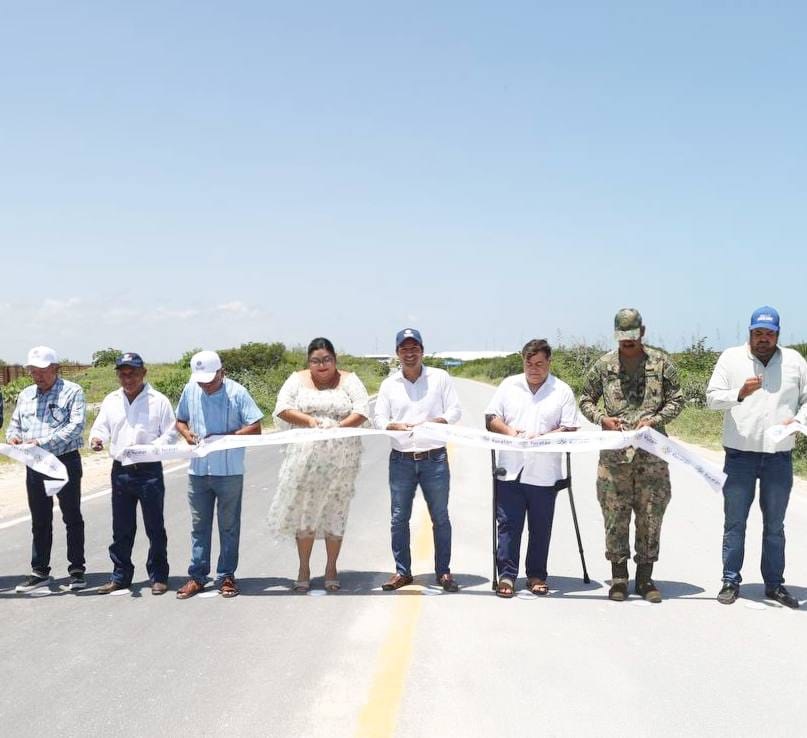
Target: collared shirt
54, 418
551, 407
149, 418
783, 395
431, 395
229, 408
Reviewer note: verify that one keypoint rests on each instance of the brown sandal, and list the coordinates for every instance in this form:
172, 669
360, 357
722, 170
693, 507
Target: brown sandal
537, 586
505, 588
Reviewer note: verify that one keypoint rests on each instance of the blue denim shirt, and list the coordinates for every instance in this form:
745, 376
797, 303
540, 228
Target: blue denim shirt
225, 411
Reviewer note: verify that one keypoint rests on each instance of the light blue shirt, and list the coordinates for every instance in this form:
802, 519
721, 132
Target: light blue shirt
225, 411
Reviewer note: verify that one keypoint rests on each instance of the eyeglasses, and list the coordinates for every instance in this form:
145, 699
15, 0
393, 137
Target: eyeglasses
324, 361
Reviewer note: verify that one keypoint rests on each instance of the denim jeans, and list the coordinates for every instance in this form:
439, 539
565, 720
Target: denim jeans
514, 502
132, 484
41, 507
204, 494
433, 476
775, 474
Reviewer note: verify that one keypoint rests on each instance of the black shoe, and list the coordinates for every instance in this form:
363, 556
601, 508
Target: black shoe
32, 582
447, 582
729, 593
77, 581
782, 596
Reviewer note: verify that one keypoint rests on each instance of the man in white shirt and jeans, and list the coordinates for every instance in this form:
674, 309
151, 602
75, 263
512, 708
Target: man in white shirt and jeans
135, 414
758, 385
413, 395
528, 405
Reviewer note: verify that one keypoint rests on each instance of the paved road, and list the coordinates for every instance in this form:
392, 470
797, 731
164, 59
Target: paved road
368, 663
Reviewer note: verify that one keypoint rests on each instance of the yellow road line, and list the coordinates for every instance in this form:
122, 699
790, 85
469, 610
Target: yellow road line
379, 716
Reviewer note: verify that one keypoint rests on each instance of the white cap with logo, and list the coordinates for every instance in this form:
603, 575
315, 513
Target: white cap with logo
204, 366
41, 357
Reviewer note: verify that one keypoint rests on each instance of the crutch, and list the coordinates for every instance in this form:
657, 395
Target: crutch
567, 483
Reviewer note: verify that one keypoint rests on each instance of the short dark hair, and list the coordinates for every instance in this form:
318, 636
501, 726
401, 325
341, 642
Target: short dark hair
321, 343
536, 346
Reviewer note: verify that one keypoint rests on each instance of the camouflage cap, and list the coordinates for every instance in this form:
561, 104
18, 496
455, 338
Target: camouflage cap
628, 325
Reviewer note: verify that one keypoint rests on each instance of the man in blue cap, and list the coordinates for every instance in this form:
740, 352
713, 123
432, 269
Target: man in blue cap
134, 414
758, 385
417, 394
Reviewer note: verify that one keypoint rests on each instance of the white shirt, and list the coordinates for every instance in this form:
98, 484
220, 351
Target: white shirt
551, 407
783, 395
148, 419
431, 395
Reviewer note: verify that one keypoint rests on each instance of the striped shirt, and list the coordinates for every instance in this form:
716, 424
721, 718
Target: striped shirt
225, 411
55, 418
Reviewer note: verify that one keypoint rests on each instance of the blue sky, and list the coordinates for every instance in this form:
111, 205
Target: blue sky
176, 175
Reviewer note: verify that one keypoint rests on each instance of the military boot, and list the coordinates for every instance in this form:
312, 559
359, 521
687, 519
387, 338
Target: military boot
619, 582
645, 586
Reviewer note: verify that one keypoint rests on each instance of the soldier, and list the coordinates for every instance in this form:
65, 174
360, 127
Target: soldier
639, 386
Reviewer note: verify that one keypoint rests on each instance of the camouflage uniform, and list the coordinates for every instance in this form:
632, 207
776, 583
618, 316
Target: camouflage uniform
632, 479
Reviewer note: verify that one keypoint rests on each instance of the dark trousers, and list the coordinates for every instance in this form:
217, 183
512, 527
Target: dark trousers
516, 501
41, 507
132, 484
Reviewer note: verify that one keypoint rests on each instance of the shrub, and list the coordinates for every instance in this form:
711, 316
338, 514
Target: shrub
105, 357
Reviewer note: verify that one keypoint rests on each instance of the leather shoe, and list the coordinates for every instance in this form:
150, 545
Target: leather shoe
159, 588
228, 587
447, 582
189, 589
396, 581
782, 596
728, 593
111, 586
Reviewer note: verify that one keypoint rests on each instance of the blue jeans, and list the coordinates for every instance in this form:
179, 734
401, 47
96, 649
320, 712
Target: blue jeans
775, 474
433, 476
205, 493
514, 502
141, 483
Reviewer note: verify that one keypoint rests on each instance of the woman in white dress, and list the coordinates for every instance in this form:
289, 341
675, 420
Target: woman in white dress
316, 481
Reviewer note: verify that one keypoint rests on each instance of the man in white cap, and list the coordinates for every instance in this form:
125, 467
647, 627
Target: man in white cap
50, 414
211, 404
135, 413
757, 385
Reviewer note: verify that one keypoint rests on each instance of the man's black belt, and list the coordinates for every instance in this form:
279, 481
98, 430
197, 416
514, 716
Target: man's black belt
432, 453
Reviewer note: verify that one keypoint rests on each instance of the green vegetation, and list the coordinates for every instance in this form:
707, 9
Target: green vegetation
106, 357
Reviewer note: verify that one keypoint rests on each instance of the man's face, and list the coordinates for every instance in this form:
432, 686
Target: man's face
632, 347
410, 352
131, 378
214, 384
45, 377
536, 368
763, 342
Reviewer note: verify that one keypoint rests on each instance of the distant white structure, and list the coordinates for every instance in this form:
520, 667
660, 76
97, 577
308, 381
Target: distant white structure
470, 355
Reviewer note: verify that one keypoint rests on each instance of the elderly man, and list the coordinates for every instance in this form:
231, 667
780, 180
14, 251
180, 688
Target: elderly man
135, 413
50, 414
758, 385
640, 388
211, 405
529, 404
416, 394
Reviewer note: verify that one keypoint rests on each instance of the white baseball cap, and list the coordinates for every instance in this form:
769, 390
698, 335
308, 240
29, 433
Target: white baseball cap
204, 366
41, 357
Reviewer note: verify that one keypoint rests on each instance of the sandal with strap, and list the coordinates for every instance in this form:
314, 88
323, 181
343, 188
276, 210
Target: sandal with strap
537, 586
332, 585
301, 586
505, 588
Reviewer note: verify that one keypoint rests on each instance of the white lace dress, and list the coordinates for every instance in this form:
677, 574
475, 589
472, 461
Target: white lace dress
317, 480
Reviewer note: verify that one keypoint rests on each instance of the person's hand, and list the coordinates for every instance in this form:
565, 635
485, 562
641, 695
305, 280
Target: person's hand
751, 385
400, 427
438, 420
16, 441
96, 444
313, 422
788, 421
192, 439
644, 423
612, 424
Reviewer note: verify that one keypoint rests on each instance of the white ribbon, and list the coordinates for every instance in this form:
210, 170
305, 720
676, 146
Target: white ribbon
577, 442
40, 461
778, 433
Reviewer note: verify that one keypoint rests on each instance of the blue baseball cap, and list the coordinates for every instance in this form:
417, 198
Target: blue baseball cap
765, 317
130, 359
412, 333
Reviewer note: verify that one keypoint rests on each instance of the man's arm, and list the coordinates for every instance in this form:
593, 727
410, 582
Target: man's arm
671, 394
452, 410
100, 431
